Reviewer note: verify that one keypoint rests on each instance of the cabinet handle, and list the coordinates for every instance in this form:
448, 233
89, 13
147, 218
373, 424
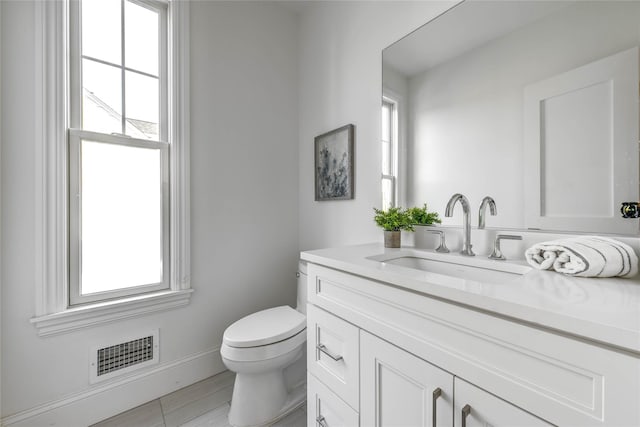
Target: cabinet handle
436, 394
326, 351
465, 413
321, 421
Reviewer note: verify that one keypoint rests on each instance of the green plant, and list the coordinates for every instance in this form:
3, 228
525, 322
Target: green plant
393, 219
422, 216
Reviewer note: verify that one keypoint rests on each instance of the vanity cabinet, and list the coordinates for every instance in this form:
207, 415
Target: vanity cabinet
379, 351
398, 389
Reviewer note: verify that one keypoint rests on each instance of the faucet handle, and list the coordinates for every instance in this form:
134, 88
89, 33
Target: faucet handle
497, 253
442, 246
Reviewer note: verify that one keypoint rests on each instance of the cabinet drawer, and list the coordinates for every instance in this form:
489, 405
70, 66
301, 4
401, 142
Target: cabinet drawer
475, 407
324, 408
332, 353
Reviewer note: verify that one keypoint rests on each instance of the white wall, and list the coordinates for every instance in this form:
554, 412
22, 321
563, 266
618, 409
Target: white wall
341, 82
0, 211
468, 112
244, 206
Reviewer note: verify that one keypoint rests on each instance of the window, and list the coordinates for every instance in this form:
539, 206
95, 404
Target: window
112, 148
389, 147
118, 149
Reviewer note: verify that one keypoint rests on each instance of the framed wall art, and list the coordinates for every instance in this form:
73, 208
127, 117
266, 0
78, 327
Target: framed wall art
334, 164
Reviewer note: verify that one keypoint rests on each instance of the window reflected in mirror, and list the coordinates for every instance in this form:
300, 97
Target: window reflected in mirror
389, 157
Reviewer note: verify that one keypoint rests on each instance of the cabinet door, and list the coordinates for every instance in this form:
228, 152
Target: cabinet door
325, 409
400, 389
475, 407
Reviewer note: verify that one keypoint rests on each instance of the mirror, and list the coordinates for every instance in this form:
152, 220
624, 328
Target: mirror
533, 103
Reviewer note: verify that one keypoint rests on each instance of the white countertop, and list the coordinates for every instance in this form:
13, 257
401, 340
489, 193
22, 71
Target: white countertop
601, 309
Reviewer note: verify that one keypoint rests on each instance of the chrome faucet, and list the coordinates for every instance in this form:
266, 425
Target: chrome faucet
466, 239
483, 210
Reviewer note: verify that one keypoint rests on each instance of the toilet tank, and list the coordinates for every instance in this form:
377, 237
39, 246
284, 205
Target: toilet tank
301, 303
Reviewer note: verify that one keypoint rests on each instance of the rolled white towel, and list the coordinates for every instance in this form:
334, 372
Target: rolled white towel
589, 256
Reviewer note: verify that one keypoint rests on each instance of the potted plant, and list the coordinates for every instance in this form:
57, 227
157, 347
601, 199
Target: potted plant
421, 216
393, 221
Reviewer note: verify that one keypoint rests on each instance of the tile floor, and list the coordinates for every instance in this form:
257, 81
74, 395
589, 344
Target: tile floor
203, 404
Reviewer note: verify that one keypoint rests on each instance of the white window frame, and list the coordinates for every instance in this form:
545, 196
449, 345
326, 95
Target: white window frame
77, 134
393, 152
401, 158
53, 314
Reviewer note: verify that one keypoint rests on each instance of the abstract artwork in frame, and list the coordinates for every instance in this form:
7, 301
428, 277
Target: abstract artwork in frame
334, 164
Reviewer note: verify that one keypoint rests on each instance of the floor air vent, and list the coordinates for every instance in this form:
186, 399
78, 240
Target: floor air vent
109, 361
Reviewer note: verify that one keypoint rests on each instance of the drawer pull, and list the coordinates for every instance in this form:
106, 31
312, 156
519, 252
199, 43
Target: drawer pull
321, 421
436, 394
326, 351
465, 413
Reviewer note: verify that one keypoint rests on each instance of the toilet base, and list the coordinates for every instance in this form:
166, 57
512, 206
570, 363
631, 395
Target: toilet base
260, 400
297, 398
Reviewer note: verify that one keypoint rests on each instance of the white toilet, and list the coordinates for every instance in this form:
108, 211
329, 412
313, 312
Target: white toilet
267, 351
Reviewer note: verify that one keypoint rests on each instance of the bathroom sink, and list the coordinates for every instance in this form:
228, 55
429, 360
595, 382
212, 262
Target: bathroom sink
475, 269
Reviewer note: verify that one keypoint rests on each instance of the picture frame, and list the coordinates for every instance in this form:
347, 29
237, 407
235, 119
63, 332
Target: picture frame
334, 164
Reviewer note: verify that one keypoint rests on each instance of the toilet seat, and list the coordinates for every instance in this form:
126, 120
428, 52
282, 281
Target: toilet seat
264, 352
265, 327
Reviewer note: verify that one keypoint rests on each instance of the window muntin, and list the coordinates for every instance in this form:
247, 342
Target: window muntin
118, 150
122, 46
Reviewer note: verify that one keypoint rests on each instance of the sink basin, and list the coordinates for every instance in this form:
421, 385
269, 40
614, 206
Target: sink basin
453, 265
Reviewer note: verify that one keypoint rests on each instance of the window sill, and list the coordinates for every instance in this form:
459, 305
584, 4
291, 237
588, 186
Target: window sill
95, 314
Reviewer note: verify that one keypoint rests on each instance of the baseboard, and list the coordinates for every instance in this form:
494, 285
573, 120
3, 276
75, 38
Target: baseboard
119, 395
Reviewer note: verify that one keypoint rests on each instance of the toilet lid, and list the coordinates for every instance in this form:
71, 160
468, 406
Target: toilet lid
265, 327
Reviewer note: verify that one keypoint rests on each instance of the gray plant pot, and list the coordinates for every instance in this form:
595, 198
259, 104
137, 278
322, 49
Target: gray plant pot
392, 239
